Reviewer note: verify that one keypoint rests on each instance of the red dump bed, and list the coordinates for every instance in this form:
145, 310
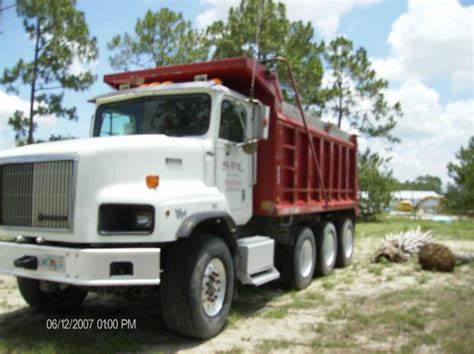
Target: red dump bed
288, 179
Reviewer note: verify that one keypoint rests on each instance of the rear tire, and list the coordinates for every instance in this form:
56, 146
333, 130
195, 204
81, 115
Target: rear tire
197, 287
327, 249
297, 262
345, 243
51, 297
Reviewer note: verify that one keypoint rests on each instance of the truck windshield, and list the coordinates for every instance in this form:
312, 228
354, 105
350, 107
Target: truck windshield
173, 115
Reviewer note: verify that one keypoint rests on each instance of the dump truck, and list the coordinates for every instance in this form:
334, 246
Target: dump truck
195, 177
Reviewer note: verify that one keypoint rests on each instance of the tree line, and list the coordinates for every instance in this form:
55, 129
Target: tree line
378, 183
61, 37
351, 94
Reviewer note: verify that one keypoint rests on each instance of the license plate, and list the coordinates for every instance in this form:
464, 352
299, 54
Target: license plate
52, 263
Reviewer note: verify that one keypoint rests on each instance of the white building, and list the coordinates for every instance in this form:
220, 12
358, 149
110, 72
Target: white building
426, 201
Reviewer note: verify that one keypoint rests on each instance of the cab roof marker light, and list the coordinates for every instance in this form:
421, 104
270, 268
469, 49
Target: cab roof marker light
151, 84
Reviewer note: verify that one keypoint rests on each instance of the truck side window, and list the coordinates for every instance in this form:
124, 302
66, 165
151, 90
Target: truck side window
115, 123
233, 121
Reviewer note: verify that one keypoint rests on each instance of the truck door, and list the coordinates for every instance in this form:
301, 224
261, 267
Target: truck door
233, 165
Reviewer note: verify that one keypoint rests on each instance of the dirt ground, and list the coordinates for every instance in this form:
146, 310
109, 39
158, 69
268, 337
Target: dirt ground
366, 307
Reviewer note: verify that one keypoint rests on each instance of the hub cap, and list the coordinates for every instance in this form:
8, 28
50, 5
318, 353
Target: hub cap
213, 287
329, 248
307, 258
347, 239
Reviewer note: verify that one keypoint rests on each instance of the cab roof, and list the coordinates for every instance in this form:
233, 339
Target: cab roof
234, 73
141, 91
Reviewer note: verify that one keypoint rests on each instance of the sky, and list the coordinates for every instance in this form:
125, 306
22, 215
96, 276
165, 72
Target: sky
425, 48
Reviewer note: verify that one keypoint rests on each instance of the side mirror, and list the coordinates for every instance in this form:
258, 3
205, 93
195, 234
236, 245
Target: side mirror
249, 146
259, 126
261, 121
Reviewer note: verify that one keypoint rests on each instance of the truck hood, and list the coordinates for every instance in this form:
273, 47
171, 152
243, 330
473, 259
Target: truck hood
114, 170
91, 146
129, 157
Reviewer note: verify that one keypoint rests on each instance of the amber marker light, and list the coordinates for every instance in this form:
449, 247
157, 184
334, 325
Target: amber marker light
152, 181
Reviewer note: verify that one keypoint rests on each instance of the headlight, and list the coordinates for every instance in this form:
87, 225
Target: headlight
126, 219
144, 220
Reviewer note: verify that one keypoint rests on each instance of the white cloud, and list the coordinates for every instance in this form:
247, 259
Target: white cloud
78, 66
9, 103
431, 133
433, 39
217, 10
325, 15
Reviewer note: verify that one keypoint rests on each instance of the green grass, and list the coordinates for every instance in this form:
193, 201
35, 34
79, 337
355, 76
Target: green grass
276, 313
442, 318
232, 351
422, 315
37, 341
376, 269
252, 301
297, 302
458, 230
269, 346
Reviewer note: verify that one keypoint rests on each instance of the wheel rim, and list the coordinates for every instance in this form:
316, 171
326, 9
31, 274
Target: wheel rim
307, 258
213, 287
329, 248
347, 240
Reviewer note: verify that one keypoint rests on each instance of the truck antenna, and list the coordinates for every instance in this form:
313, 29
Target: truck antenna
257, 47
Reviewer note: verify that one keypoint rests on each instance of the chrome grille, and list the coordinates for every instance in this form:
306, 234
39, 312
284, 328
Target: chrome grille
37, 194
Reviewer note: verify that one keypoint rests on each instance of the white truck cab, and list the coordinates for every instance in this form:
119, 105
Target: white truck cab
162, 164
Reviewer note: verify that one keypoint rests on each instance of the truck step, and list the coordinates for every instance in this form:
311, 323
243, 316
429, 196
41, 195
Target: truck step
255, 260
264, 277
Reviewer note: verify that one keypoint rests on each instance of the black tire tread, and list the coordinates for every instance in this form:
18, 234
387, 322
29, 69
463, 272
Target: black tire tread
175, 298
174, 305
341, 260
286, 261
321, 269
69, 299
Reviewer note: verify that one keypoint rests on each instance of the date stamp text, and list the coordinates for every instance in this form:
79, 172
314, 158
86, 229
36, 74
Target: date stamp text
80, 324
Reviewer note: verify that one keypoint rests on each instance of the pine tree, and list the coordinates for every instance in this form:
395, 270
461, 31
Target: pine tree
356, 93
61, 37
160, 38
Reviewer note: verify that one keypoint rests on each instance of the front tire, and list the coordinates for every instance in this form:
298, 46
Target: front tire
51, 297
197, 287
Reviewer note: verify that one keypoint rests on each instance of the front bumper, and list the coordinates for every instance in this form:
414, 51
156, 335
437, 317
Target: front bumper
84, 267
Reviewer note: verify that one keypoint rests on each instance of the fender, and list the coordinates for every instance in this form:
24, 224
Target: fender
193, 220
